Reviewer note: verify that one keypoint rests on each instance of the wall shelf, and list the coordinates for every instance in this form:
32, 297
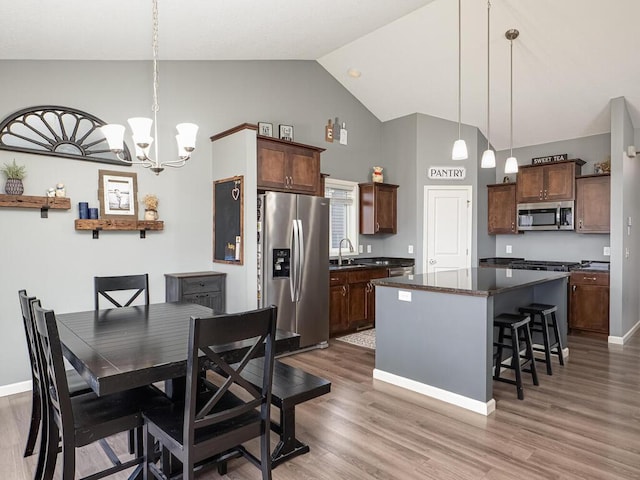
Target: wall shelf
43, 203
118, 224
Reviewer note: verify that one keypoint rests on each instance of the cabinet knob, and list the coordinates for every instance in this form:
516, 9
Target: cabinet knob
513, 226
573, 288
344, 291
377, 226
593, 279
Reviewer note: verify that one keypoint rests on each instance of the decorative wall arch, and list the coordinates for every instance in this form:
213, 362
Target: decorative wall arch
60, 132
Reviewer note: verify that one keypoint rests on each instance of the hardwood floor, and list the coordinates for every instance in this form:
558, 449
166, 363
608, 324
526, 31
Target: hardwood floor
581, 423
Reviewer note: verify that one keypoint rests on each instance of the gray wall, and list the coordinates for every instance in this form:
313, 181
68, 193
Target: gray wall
56, 263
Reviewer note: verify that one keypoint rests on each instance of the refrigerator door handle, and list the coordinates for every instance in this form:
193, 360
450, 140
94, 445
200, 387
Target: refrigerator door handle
300, 261
293, 280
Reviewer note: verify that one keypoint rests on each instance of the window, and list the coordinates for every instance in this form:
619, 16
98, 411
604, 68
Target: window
343, 215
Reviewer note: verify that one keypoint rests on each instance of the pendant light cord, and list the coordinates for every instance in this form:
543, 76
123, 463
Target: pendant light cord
511, 99
459, 70
155, 107
488, 75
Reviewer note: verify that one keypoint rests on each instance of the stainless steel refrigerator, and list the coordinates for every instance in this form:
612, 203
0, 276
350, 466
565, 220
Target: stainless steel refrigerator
293, 263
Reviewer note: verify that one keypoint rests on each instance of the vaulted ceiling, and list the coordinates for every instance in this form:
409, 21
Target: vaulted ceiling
571, 58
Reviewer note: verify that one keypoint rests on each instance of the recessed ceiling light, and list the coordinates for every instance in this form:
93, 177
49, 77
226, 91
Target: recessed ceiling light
354, 73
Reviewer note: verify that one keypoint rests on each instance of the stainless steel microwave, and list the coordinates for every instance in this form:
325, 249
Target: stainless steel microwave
545, 216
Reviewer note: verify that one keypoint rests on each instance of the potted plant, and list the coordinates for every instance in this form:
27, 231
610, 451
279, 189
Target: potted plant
150, 207
14, 174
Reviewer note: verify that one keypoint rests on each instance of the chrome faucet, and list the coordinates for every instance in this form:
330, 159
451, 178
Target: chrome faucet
340, 249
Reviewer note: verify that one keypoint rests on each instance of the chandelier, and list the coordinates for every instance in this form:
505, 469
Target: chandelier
141, 127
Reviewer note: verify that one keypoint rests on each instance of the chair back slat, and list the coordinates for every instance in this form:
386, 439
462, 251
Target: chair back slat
104, 285
258, 327
29, 327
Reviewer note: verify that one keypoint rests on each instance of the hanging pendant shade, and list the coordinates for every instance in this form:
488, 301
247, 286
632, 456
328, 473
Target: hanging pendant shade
489, 156
459, 151
511, 165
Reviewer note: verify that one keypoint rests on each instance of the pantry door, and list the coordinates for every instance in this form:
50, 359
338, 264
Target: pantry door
447, 227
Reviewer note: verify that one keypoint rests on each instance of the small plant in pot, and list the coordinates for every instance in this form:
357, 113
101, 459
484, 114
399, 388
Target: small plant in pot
151, 207
14, 174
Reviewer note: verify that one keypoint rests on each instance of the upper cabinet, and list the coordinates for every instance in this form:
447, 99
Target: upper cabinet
502, 208
547, 183
289, 167
593, 204
378, 208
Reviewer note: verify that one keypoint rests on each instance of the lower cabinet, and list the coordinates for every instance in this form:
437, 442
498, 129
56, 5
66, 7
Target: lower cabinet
203, 288
589, 302
352, 299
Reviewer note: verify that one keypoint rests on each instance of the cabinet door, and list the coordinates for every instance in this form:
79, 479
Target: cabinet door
593, 204
530, 184
272, 167
386, 209
215, 301
589, 308
304, 171
502, 208
358, 298
559, 181
338, 309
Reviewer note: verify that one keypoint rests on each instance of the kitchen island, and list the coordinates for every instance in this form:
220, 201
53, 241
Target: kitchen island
434, 332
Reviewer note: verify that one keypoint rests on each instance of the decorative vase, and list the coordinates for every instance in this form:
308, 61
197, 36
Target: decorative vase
377, 175
14, 186
150, 215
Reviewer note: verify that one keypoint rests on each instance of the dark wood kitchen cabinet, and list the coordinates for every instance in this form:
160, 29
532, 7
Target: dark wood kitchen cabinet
593, 204
203, 288
547, 183
289, 167
352, 299
589, 302
502, 208
378, 208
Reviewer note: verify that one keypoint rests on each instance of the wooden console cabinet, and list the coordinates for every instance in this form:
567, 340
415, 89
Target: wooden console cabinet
593, 204
203, 288
378, 208
589, 302
549, 182
352, 299
289, 167
502, 208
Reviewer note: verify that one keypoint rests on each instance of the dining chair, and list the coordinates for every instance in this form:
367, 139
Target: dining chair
77, 421
214, 421
76, 383
105, 285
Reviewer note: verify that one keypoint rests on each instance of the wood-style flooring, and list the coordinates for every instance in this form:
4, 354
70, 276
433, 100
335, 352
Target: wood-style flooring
581, 423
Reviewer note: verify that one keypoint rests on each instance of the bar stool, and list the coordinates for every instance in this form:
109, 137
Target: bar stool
518, 331
542, 317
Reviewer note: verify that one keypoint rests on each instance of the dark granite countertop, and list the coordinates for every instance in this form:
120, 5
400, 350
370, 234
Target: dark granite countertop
482, 282
358, 263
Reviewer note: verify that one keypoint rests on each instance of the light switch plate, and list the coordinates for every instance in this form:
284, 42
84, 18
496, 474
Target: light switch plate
368, 248
410, 249
509, 249
606, 251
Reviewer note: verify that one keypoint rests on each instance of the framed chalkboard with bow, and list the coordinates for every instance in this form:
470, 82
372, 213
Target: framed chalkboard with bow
228, 220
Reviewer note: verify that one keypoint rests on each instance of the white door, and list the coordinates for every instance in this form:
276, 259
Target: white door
447, 225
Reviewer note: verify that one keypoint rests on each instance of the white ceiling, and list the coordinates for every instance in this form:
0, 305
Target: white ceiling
571, 58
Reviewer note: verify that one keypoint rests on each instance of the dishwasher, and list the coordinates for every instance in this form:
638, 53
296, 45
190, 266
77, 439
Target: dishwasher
400, 271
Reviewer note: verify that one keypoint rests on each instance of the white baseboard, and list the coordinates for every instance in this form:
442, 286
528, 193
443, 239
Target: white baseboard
14, 388
475, 406
626, 337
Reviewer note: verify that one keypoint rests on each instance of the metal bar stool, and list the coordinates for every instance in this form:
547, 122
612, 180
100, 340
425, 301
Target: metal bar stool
542, 317
518, 331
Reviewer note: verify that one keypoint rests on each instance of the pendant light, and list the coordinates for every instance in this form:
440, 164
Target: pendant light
488, 156
459, 151
511, 165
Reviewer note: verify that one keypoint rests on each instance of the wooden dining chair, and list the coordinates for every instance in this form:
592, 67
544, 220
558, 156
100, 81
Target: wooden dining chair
214, 421
138, 284
76, 383
82, 419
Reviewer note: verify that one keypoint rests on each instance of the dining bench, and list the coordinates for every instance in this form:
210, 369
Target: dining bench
291, 386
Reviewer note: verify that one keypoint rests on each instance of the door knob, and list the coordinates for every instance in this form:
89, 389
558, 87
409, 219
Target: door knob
432, 262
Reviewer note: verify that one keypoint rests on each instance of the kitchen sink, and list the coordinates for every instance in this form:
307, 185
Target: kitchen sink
345, 266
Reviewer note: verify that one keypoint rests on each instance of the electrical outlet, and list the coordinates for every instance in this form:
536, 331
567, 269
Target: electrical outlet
360, 248
368, 248
606, 251
626, 252
410, 249
404, 295
509, 249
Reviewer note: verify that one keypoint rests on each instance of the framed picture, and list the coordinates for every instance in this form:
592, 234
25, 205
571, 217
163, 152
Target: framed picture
118, 194
265, 129
286, 132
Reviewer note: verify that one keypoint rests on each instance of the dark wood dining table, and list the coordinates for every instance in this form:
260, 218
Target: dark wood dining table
122, 348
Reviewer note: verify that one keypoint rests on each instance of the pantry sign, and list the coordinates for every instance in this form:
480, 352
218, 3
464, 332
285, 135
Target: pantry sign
446, 173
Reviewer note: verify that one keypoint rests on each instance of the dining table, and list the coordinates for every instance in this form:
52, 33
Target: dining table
119, 349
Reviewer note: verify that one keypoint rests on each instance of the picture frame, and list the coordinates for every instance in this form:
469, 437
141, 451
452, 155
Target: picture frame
286, 132
118, 194
265, 129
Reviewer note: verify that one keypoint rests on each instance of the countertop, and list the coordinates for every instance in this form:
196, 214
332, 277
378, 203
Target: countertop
386, 262
482, 282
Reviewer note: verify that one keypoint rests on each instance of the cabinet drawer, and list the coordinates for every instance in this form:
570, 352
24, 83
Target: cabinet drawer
199, 285
589, 278
337, 278
365, 275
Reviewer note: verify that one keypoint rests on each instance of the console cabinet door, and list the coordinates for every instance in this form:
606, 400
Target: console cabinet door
593, 204
502, 208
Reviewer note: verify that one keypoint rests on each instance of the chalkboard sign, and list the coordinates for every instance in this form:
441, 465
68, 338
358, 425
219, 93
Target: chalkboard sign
228, 220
